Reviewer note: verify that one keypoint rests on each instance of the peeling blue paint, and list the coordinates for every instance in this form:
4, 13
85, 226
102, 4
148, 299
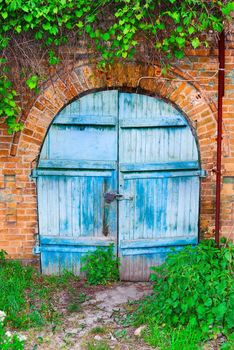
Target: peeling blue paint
138, 146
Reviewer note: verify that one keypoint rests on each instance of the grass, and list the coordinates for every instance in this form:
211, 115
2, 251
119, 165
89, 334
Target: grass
173, 339
98, 330
97, 346
26, 296
75, 300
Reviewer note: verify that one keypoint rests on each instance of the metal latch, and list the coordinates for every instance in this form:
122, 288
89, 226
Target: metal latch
111, 196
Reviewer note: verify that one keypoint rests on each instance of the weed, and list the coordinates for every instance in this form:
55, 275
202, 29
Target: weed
229, 344
120, 333
98, 330
3, 255
74, 307
82, 297
193, 297
26, 296
124, 319
193, 287
173, 339
101, 266
76, 301
14, 281
8, 340
64, 280
97, 346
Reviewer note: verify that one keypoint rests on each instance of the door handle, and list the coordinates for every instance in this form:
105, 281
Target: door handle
111, 196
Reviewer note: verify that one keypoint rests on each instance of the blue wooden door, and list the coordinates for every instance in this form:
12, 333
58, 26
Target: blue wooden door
78, 164
106, 143
159, 174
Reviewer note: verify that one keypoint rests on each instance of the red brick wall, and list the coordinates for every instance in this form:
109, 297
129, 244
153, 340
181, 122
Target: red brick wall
191, 85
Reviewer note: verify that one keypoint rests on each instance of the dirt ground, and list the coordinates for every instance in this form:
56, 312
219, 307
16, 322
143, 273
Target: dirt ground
96, 317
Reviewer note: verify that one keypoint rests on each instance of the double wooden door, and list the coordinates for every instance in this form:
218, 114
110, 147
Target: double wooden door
117, 168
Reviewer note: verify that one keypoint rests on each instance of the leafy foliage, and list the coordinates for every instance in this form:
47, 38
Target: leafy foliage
14, 280
194, 287
8, 106
26, 297
101, 266
10, 342
114, 29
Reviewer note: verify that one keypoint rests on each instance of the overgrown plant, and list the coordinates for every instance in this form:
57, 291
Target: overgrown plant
27, 297
33, 32
8, 340
194, 288
14, 280
101, 266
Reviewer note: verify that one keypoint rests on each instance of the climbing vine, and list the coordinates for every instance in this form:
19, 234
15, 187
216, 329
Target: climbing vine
34, 33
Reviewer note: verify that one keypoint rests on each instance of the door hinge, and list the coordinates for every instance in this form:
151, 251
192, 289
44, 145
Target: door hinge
36, 250
203, 173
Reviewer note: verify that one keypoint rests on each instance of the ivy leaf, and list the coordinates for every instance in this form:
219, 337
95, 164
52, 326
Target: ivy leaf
228, 8
106, 36
80, 24
179, 29
191, 30
79, 13
4, 15
18, 28
32, 82
54, 30
38, 35
28, 18
180, 41
46, 26
195, 43
179, 54
88, 28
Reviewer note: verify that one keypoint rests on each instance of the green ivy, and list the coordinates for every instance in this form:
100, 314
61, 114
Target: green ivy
115, 29
195, 288
8, 106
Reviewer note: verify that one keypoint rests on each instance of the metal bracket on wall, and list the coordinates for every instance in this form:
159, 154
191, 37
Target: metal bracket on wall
203, 174
36, 250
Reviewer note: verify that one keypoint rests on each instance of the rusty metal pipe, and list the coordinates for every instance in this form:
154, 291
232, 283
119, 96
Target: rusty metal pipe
221, 77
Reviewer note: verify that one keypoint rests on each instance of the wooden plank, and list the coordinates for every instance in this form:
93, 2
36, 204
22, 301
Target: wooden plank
53, 212
82, 241
162, 174
83, 142
173, 121
76, 164
43, 208
63, 172
129, 167
159, 242
65, 214
146, 252
86, 120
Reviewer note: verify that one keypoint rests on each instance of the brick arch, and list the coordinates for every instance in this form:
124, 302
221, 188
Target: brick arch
186, 96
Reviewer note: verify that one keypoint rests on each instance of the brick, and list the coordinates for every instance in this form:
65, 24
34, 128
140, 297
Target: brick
18, 202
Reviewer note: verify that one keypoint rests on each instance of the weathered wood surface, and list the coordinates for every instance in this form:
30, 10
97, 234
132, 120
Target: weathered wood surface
132, 144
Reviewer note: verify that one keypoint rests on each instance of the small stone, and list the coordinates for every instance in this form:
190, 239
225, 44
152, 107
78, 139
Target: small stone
139, 330
112, 337
97, 337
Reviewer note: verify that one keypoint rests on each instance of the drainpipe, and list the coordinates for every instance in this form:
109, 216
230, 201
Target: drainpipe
221, 76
